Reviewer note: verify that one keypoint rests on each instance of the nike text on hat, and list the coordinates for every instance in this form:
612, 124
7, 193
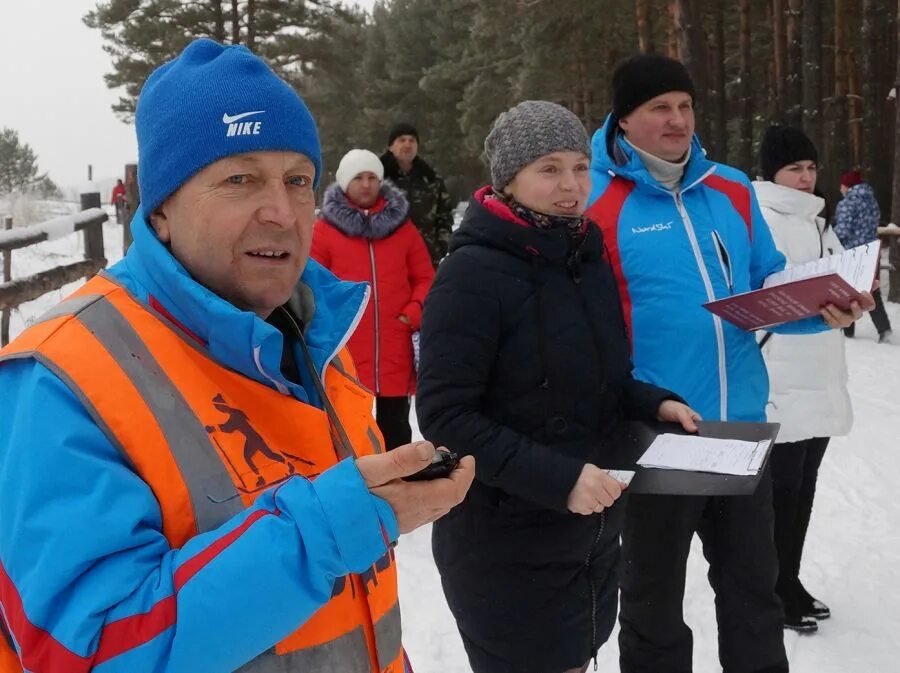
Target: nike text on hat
212, 102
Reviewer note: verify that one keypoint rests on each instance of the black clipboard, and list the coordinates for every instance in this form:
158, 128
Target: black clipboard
635, 437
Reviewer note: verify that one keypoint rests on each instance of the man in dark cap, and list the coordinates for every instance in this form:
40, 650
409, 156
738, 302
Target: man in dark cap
429, 202
682, 231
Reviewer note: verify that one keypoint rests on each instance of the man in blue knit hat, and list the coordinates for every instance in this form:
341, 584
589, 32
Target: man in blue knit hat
211, 492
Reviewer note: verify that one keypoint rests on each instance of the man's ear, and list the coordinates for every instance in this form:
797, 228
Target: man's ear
623, 124
160, 223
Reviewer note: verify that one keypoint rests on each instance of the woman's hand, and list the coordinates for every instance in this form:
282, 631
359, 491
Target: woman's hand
836, 318
678, 412
594, 491
402, 318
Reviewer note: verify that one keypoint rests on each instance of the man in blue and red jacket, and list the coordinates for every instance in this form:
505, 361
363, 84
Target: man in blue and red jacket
681, 231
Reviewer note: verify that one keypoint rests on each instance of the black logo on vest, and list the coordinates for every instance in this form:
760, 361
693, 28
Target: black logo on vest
367, 577
256, 452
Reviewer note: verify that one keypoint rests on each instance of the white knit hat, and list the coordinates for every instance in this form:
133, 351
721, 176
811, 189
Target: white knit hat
356, 162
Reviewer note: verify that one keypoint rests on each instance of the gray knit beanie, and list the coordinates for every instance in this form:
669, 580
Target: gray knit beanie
529, 131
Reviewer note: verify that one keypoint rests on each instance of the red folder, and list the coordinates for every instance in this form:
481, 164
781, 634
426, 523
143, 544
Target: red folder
785, 303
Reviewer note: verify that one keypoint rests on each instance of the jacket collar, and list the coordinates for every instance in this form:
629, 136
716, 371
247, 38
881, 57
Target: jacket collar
241, 340
420, 168
612, 154
490, 222
788, 201
379, 221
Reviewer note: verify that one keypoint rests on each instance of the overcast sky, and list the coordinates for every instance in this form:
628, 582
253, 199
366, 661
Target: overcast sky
52, 91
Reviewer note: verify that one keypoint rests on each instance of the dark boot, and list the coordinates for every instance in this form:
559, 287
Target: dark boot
811, 606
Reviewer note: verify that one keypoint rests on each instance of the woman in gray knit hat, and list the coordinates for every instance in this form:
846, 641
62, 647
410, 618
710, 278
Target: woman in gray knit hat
525, 365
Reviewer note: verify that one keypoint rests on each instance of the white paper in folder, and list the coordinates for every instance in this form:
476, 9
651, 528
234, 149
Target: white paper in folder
857, 266
705, 454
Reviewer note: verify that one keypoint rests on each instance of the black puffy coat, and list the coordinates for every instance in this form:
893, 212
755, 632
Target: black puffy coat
525, 365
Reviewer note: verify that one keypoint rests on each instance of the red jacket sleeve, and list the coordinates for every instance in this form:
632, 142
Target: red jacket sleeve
421, 273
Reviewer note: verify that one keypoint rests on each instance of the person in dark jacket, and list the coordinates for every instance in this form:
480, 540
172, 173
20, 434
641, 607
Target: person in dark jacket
364, 234
429, 203
525, 365
856, 223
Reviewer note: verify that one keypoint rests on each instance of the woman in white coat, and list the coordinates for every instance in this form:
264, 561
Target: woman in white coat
808, 374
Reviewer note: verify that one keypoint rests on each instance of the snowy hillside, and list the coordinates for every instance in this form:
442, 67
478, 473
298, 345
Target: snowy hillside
852, 559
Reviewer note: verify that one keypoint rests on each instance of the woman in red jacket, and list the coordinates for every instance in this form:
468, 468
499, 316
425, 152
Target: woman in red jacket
364, 234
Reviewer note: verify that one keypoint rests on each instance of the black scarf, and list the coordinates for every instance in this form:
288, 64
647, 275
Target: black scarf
575, 225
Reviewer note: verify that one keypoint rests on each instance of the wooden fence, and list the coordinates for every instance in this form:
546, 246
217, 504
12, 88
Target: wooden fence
16, 292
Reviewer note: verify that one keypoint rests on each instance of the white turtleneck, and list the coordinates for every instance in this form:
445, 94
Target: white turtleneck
666, 173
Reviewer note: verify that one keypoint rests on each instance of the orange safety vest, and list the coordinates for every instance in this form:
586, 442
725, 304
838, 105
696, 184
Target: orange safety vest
128, 363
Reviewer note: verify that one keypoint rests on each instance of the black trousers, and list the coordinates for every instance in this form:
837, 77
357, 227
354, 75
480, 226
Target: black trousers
795, 469
392, 417
738, 544
878, 314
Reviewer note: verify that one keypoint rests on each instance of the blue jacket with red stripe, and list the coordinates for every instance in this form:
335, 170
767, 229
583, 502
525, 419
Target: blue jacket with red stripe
82, 553
672, 252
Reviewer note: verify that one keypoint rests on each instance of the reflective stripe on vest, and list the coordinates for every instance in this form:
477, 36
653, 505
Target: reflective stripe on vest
208, 417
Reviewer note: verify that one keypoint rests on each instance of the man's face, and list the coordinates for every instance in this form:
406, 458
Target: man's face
363, 189
243, 227
405, 148
663, 126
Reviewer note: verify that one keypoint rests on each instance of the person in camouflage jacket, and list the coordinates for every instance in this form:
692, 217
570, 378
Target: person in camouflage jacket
429, 201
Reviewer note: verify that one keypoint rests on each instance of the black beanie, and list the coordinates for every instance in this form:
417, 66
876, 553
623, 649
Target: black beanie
402, 129
783, 145
645, 76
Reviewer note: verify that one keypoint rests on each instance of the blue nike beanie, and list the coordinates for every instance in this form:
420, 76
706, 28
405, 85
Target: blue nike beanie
213, 102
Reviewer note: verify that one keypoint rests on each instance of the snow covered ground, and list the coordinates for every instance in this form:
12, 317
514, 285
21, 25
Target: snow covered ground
852, 558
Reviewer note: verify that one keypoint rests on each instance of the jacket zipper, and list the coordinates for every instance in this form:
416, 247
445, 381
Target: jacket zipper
375, 311
717, 322
724, 260
587, 567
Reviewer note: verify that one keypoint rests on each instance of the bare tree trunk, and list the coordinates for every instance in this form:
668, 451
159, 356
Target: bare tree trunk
679, 11
842, 159
718, 103
877, 33
812, 70
779, 44
793, 16
251, 25
745, 142
644, 27
870, 104
671, 31
855, 121
894, 289
689, 49
828, 171
219, 18
235, 23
